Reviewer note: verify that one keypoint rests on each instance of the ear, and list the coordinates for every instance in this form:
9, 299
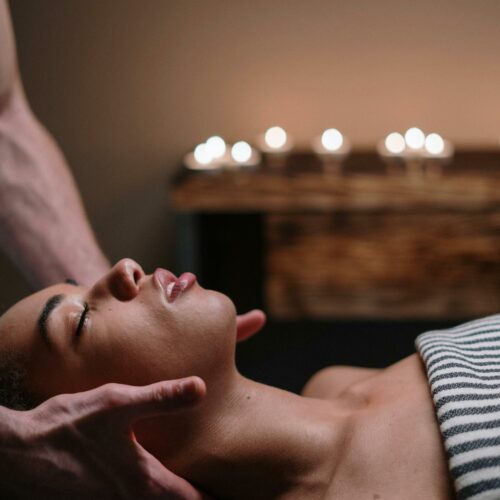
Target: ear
249, 324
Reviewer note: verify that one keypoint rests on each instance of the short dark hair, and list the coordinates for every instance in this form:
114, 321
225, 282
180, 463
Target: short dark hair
13, 393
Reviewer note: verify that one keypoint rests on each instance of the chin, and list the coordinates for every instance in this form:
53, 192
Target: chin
212, 335
222, 308
208, 313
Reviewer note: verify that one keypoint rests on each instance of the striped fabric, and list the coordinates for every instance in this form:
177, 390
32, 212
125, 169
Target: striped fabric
463, 368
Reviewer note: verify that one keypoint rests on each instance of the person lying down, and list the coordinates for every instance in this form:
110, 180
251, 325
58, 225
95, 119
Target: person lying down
353, 434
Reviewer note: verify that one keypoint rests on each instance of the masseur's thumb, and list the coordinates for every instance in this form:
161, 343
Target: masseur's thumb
129, 403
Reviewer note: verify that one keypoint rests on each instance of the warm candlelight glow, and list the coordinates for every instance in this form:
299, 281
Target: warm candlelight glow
414, 138
275, 137
434, 144
332, 139
216, 146
395, 143
241, 152
202, 154
423, 156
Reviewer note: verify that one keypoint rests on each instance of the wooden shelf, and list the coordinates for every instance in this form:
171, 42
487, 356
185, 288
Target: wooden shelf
365, 244
471, 182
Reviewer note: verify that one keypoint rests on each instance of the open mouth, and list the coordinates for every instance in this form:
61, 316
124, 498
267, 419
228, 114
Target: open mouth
172, 286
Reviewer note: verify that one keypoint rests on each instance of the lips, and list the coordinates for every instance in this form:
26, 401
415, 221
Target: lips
172, 286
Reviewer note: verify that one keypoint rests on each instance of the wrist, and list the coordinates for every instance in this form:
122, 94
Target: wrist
13, 441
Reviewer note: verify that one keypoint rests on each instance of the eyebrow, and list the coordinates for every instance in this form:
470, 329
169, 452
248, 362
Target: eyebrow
49, 306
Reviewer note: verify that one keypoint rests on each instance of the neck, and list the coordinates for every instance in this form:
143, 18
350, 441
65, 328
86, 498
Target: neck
254, 441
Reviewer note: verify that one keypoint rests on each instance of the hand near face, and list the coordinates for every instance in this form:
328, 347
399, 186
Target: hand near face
80, 446
83, 441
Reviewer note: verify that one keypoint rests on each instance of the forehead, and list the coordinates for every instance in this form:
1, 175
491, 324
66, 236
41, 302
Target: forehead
18, 325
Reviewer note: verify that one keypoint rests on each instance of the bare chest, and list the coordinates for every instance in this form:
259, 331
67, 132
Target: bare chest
396, 449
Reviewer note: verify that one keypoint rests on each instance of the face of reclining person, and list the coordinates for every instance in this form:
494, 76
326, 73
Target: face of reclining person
127, 328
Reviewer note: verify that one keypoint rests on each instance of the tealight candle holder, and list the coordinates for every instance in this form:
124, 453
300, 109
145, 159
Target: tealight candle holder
438, 152
391, 150
332, 148
413, 153
419, 154
276, 145
243, 155
216, 146
202, 160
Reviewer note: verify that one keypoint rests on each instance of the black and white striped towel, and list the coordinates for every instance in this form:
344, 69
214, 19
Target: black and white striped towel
463, 368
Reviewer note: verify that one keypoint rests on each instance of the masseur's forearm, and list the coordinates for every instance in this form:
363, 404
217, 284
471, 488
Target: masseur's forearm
43, 226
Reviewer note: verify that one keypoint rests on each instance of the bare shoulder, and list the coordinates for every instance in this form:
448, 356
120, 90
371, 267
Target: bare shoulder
396, 445
329, 383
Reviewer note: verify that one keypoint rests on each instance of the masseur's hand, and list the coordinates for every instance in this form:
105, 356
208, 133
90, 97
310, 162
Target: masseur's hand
81, 446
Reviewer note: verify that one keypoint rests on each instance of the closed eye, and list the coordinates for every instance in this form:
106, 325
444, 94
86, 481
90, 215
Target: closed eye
81, 322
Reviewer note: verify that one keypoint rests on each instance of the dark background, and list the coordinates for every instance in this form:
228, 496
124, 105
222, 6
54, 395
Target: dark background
126, 88
229, 257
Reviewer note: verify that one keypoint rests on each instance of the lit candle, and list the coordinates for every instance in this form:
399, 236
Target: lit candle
202, 158
434, 144
395, 143
276, 144
393, 150
435, 147
275, 138
414, 139
243, 155
332, 148
241, 152
420, 153
216, 146
437, 152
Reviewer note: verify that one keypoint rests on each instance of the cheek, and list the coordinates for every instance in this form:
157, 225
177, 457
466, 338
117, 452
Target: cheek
122, 352
53, 373
208, 314
139, 344
208, 330
196, 336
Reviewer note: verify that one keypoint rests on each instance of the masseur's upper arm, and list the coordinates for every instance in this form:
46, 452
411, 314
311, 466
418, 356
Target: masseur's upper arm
8, 63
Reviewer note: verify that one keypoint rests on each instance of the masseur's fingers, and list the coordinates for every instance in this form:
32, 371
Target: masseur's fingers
85, 439
126, 404
132, 403
249, 324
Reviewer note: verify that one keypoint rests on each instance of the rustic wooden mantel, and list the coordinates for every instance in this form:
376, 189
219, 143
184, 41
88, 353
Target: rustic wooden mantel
368, 243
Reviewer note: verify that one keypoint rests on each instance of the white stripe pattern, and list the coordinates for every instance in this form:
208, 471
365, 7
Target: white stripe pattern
463, 369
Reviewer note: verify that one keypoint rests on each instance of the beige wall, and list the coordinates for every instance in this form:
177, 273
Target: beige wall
126, 86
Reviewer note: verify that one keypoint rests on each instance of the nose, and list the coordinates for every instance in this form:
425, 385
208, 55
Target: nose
121, 282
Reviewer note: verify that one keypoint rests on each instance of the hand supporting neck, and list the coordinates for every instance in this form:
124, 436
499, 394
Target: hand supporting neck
252, 439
